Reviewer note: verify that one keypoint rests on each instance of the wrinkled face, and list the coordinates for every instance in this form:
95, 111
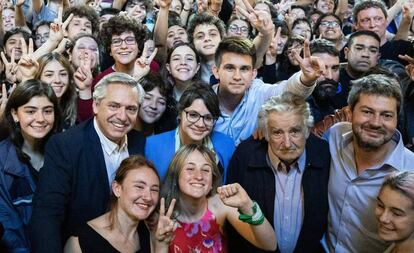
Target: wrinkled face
136, 10
79, 25
238, 28
287, 136
117, 112
374, 120
124, 48
362, 54
206, 39
235, 73
14, 43
196, 122
104, 19
42, 34
327, 84
330, 28
303, 29
8, 19
35, 118
88, 46
183, 65
138, 194
395, 215
196, 177
296, 46
325, 6
176, 6
372, 19
153, 106
175, 35
56, 76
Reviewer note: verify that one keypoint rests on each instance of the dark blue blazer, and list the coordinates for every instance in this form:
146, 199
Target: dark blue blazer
73, 186
249, 168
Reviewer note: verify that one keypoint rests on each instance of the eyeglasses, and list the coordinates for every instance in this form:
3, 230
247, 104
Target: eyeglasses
235, 28
42, 37
118, 41
329, 23
193, 117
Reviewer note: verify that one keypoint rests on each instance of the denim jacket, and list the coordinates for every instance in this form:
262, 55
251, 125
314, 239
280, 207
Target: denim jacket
16, 191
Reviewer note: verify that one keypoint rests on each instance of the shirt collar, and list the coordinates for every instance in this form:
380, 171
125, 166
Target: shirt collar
298, 164
108, 145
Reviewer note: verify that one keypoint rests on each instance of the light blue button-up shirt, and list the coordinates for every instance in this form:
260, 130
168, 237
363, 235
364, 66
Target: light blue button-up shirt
352, 225
243, 121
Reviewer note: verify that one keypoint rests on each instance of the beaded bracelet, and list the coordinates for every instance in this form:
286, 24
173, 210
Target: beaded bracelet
257, 218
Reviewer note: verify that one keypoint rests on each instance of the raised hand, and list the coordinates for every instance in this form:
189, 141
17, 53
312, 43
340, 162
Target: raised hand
58, 28
235, 196
271, 53
166, 225
4, 98
312, 67
10, 67
410, 67
96, 5
83, 75
27, 65
142, 64
19, 3
260, 20
164, 3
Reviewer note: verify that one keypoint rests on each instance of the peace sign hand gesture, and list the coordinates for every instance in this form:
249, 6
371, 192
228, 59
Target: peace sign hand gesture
4, 98
10, 66
28, 66
166, 226
260, 20
83, 75
142, 64
58, 28
312, 67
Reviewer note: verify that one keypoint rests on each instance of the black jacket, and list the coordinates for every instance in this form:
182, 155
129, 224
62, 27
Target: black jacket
249, 168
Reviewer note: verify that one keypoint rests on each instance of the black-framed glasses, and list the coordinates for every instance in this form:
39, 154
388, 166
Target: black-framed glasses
193, 117
118, 41
235, 28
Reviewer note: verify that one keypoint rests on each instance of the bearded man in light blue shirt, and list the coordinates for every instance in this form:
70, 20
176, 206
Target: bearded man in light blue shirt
364, 152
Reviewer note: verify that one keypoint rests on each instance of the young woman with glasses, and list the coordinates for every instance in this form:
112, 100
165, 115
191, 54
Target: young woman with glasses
198, 110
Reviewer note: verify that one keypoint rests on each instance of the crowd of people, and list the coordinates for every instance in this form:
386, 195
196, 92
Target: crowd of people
207, 126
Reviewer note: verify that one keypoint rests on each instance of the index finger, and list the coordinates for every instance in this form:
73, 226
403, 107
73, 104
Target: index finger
306, 49
171, 208
152, 56
67, 21
31, 47
12, 56
162, 207
24, 46
406, 58
249, 8
4, 59
60, 15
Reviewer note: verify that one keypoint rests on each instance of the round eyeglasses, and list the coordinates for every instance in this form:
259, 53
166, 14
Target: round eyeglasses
193, 117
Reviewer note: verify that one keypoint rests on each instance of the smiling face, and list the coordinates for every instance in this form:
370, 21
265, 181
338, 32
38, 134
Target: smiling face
330, 28
136, 9
42, 34
362, 54
117, 112
15, 43
287, 136
325, 6
35, 118
235, 73
206, 39
395, 215
183, 65
124, 53
196, 177
302, 29
8, 19
153, 106
175, 35
79, 25
56, 76
374, 120
138, 194
238, 28
195, 132
88, 46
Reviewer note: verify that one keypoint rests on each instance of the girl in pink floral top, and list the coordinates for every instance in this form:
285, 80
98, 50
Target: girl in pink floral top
199, 214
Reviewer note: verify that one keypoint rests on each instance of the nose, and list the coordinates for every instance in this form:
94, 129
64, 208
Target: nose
236, 75
371, 23
146, 194
384, 217
56, 79
328, 73
286, 140
182, 61
153, 104
40, 117
197, 174
376, 120
121, 115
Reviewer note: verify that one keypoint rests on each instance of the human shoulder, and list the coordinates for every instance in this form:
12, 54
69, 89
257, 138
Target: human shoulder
155, 139
221, 138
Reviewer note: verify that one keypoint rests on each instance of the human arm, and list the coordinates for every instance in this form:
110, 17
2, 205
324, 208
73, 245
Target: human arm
142, 64
20, 20
341, 8
37, 6
404, 28
237, 201
27, 65
161, 29
118, 4
186, 11
165, 227
72, 245
393, 11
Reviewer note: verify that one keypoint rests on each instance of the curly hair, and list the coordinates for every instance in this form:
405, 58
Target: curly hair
204, 18
118, 25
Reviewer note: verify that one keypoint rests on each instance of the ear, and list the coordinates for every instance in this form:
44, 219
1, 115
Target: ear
95, 106
116, 189
346, 50
254, 74
167, 66
215, 70
14, 115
